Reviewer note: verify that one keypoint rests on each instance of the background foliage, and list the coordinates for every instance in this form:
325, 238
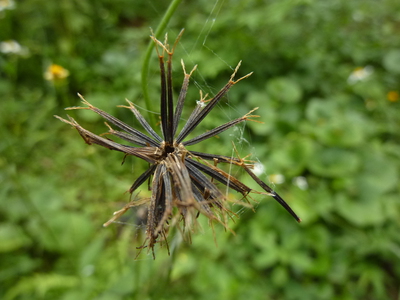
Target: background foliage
326, 79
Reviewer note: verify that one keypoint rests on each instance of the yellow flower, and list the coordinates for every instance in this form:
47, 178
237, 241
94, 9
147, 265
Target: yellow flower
393, 96
55, 72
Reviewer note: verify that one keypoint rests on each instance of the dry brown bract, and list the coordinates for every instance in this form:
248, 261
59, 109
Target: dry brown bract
183, 181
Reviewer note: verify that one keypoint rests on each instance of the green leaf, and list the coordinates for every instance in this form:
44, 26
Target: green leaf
12, 238
292, 155
361, 212
334, 162
379, 173
284, 89
391, 61
40, 284
333, 126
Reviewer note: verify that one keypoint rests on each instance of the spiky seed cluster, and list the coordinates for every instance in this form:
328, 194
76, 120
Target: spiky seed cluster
182, 181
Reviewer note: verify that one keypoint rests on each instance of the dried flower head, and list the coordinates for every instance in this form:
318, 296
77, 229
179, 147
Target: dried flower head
183, 182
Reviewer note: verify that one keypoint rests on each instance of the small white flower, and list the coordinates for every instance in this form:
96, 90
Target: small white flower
360, 74
276, 178
258, 168
13, 47
7, 4
300, 182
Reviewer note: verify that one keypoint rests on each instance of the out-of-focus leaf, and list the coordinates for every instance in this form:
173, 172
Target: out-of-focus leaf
378, 175
64, 231
334, 162
185, 266
293, 155
40, 284
284, 89
359, 211
391, 61
334, 126
279, 276
12, 238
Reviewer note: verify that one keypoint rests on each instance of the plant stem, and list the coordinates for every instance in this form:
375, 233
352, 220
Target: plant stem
145, 68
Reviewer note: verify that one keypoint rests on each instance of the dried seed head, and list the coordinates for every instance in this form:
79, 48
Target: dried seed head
183, 182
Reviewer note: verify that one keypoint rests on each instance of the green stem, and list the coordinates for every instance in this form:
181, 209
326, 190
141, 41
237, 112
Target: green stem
145, 68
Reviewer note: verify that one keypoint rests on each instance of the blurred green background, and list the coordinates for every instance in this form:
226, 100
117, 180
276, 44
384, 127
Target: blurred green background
327, 81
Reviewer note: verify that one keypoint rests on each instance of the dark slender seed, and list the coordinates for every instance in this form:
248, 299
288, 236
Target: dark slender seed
127, 137
203, 113
220, 158
273, 193
142, 178
118, 123
221, 176
213, 132
143, 121
181, 98
170, 101
163, 101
